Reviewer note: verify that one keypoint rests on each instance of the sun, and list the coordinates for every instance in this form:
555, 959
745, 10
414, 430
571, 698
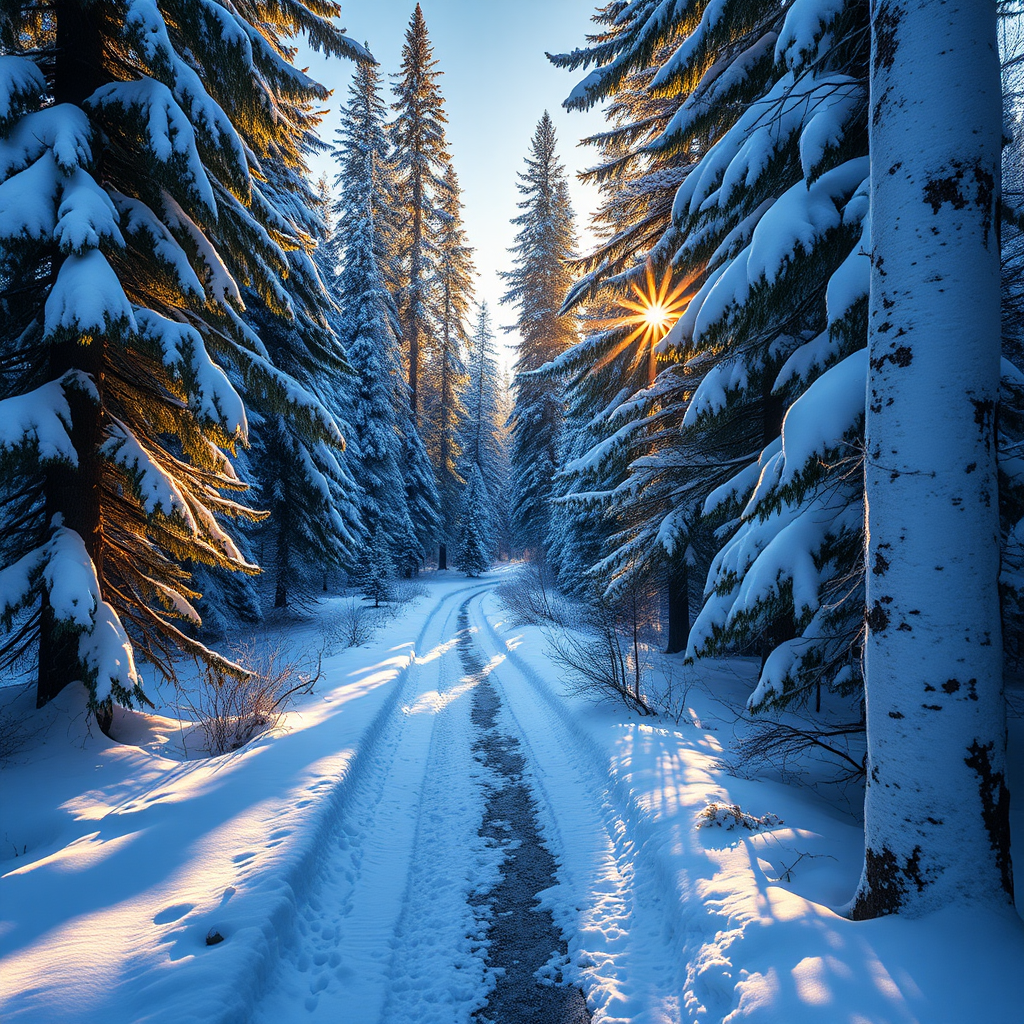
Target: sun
653, 310
657, 316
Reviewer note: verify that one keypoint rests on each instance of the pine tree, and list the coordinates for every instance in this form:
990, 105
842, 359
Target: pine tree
476, 543
378, 398
447, 374
483, 431
937, 805
130, 214
537, 287
421, 159
422, 527
765, 238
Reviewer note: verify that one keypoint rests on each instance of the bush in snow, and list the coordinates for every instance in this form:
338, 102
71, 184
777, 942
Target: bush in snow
730, 816
231, 709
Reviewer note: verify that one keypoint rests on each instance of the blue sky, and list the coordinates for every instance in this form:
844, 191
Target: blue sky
497, 83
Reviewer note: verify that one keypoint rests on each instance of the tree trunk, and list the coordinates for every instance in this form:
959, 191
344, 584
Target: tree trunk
678, 585
936, 808
442, 556
74, 492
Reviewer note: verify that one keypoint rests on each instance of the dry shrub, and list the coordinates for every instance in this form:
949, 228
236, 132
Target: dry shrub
530, 596
232, 710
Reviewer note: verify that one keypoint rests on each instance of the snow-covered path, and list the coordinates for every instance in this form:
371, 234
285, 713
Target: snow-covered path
372, 861
387, 931
395, 925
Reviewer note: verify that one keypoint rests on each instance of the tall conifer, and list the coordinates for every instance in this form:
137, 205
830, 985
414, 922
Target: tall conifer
130, 217
537, 286
421, 159
483, 433
447, 373
378, 400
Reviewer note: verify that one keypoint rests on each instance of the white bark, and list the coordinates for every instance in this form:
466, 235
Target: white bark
936, 808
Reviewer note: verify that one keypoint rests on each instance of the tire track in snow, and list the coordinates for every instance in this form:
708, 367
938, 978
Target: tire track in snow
438, 973
335, 965
614, 903
522, 937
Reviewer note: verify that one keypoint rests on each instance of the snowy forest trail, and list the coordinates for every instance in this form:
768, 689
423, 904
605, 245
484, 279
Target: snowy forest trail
425, 896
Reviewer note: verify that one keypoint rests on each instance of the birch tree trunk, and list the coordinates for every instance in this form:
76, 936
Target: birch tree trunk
937, 807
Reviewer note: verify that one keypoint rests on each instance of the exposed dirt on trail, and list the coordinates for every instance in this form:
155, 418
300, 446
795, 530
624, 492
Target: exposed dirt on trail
523, 938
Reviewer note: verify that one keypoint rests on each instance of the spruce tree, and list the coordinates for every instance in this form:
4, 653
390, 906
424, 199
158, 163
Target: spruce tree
765, 239
483, 431
131, 218
475, 541
378, 396
537, 286
421, 160
444, 411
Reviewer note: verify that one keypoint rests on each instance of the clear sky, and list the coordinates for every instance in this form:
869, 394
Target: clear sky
496, 83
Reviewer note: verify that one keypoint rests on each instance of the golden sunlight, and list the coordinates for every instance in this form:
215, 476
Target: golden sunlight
653, 309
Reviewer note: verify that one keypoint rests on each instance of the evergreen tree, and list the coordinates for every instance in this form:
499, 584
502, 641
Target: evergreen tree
476, 543
483, 431
378, 399
537, 287
765, 240
421, 529
421, 160
447, 374
131, 214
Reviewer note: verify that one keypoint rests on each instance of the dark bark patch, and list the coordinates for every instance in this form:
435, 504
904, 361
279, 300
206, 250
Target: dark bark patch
967, 185
877, 619
901, 356
932, 707
995, 808
940, 191
904, 627
986, 187
971, 467
896, 714
886, 883
885, 26
892, 170
881, 565
951, 685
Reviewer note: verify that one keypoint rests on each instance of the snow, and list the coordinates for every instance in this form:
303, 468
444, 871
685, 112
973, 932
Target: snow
803, 34
157, 490
211, 395
139, 219
63, 129
39, 419
826, 413
70, 580
169, 135
852, 279
799, 219
20, 81
86, 215
28, 201
336, 856
87, 298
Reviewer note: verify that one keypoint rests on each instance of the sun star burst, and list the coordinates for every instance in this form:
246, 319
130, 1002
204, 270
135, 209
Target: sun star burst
653, 309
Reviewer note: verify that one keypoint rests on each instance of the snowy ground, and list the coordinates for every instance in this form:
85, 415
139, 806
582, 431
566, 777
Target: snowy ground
342, 859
